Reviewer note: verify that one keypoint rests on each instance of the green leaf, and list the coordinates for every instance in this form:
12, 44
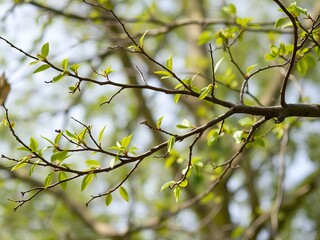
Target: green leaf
57, 138
176, 98
108, 199
124, 194
165, 74
231, 9
288, 24
177, 193
82, 135
280, 21
134, 48
243, 21
62, 176
185, 124
74, 68
59, 156
133, 150
45, 50
246, 121
184, 183
196, 168
20, 164
48, 180
159, 122
113, 161
250, 68
171, 142
259, 142
212, 136
86, 181
42, 68
142, 38
24, 149
205, 91
52, 143
58, 77
166, 185
92, 163
239, 136
108, 70
64, 64
101, 134
33, 144
32, 168
126, 141
71, 136
34, 62
169, 63
217, 65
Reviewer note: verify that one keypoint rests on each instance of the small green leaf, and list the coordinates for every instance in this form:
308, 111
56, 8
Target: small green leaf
32, 169
159, 122
134, 48
126, 141
142, 38
165, 74
171, 142
33, 144
124, 194
107, 71
86, 181
92, 163
58, 77
20, 164
24, 149
108, 199
169, 63
176, 98
259, 142
246, 121
34, 62
45, 50
280, 21
288, 24
113, 161
61, 177
184, 183
177, 193
205, 91
64, 64
57, 138
42, 68
239, 136
243, 21
52, 143
185, 124
59, 156
71, 136
250, 68
166, 185
48, 180
101, 135
217, 65
74, 68
212, 136
232, 8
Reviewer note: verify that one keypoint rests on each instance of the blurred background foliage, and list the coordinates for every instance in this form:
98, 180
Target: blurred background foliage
91, 37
